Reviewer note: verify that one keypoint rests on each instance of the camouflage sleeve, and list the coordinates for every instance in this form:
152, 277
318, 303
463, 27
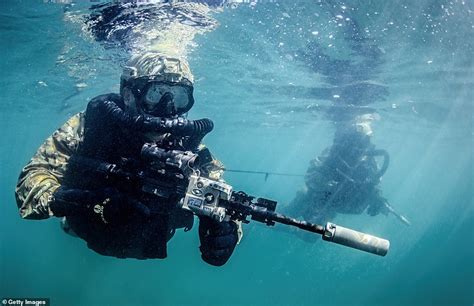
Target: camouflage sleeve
214, 169
44, 172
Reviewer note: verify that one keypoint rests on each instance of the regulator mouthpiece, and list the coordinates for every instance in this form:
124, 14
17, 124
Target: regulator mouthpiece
355, 239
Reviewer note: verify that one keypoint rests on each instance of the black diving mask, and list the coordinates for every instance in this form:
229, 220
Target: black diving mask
163, 98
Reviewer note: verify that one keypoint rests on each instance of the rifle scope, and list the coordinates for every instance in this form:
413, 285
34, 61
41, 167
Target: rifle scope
180, 159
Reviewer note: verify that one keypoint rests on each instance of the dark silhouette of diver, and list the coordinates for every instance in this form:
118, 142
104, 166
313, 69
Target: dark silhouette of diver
345, 177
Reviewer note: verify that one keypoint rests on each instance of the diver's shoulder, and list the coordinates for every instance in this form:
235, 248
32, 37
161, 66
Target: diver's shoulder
100, 99
107, 97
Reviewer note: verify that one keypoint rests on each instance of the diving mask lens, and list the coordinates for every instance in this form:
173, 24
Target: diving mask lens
161, 99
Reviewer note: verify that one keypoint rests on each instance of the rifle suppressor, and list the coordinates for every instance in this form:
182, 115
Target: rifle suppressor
354, 239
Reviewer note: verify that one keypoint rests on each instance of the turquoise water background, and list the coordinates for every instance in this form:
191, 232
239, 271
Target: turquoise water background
253, 81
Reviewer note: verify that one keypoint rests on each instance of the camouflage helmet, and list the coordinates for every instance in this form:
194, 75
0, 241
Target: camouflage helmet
156, 68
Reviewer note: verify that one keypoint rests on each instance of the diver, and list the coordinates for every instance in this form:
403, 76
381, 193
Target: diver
345, 178
156, 92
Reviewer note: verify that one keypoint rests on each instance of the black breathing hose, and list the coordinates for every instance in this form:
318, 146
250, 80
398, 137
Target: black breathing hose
386, 161
178, 126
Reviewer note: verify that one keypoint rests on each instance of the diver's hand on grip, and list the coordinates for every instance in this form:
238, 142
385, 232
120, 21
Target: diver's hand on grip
107, 205
218, 240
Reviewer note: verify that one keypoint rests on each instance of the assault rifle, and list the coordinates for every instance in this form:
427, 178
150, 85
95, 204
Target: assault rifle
174, 176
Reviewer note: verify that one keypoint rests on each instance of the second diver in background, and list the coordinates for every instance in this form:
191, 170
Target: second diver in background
345, 178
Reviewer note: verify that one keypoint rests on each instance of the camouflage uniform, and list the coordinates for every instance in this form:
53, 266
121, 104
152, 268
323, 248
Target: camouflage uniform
45, 172
41, 177
334, 187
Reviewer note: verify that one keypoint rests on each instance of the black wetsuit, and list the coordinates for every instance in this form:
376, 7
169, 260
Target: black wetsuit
139, 237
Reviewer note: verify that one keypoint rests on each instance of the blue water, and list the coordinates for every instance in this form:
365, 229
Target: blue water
271, 76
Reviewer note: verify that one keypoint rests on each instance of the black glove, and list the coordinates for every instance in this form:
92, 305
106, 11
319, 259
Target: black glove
377, 206
218, 240
373, 210
108, 204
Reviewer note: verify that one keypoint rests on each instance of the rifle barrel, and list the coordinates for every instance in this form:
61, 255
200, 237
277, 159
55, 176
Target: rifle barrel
400, 217
304, 225
332, 233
